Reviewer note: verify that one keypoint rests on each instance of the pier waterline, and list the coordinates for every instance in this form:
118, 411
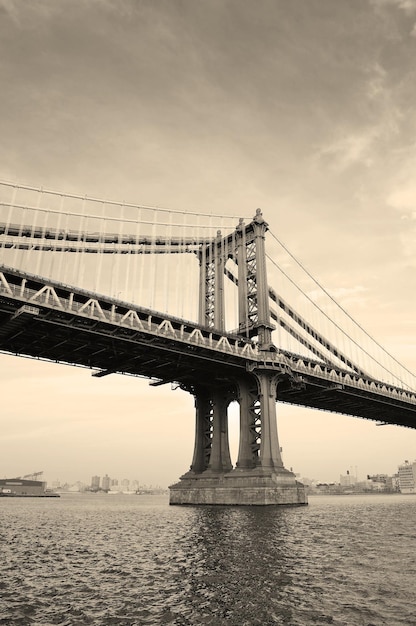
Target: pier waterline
243, 488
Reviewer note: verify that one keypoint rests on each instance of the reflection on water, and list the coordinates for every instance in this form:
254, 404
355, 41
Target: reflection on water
133, 560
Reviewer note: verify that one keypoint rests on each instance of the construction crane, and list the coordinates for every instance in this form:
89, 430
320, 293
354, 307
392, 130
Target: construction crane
33, 476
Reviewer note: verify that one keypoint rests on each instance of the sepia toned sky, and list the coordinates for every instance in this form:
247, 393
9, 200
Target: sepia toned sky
303, 108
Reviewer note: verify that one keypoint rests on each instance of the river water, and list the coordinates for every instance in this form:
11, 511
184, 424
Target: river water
135, 561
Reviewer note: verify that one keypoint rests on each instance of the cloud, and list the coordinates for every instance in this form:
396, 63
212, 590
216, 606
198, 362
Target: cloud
343, 296
10, 9
408, 6
350, 149
29, 15
376, 122
401, 195
403, 198
376, 86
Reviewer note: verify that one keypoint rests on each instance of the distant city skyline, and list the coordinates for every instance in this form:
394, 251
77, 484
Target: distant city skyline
128, 483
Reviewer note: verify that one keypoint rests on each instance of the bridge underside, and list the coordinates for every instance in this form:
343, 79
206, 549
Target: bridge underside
325, 396
67, 338
44, 331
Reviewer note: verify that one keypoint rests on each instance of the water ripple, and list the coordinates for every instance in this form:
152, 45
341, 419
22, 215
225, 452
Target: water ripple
135, 561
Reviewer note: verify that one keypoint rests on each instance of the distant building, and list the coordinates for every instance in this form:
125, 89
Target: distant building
347, 481
395, 482
95, 483
407, 477
378, 478
379, 482
105, 484
125, 484
21, 487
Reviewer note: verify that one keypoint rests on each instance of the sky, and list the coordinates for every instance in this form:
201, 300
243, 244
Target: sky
303, 108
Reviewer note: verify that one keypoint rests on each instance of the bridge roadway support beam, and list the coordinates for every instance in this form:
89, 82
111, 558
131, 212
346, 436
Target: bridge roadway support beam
259, 477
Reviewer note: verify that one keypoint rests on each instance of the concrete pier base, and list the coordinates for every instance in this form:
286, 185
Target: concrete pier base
239, 487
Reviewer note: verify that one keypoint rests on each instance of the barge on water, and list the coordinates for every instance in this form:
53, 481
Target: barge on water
23, 488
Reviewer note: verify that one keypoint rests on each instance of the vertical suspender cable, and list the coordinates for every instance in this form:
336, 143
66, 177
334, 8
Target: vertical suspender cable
63, 265
75, 245
55, 251
130, 260
6, 230
35, 219
153, 257
44, 256
169, 263
196, 260
113, 261
81, 245
142, 259
138, 287
122, 259
100, 245
178, 292
183, 286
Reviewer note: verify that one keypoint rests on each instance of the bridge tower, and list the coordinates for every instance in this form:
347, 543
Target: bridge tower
259, 477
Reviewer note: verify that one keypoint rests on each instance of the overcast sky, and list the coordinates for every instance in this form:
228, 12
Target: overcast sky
305, 108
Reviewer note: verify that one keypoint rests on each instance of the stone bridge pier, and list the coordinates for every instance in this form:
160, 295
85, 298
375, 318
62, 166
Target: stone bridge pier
259, 477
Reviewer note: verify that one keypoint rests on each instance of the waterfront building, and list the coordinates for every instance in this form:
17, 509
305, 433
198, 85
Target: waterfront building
379, 482
22, 487
373, 485
407, 477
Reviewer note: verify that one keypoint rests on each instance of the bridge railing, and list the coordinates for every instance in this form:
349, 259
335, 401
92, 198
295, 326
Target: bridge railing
345, 378
84, 304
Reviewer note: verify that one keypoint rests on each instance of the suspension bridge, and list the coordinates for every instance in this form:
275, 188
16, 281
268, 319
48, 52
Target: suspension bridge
198, 301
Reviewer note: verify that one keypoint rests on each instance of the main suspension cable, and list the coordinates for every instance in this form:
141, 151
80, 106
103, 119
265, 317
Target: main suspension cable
342, 309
